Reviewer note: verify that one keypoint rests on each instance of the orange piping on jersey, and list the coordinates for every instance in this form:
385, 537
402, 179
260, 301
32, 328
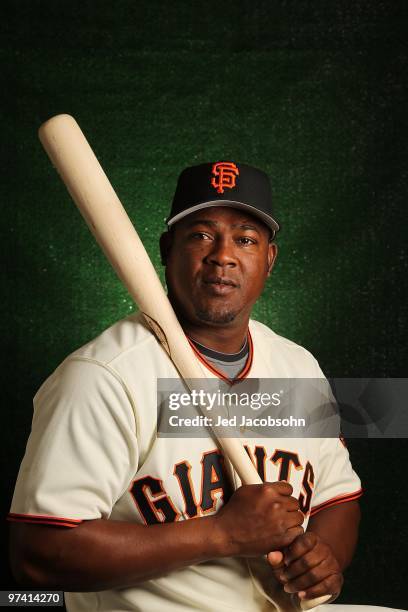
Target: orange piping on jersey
283, 450
243, 374
207, 364
248, 364
340, 499
156, 497
43, 519
215, 451
265, 456
186, 462
250, 455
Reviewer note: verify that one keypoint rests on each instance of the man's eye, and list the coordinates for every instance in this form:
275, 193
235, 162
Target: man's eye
244, 240
200, 236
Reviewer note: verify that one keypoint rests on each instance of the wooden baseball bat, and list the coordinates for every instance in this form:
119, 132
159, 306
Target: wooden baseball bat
105, 216
98, 203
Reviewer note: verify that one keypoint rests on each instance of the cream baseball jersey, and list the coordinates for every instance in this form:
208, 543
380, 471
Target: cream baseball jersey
93, 453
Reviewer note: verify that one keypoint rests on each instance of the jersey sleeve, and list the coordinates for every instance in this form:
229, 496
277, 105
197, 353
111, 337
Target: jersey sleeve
336, 481
82, 451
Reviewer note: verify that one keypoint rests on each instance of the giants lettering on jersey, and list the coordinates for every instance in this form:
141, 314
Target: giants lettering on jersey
156, 506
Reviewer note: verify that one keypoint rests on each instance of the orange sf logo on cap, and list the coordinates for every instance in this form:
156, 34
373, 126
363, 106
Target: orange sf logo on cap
224, 175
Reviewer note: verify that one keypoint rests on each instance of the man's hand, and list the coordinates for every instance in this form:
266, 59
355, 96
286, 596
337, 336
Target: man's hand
259, 518
308, 568
256, 520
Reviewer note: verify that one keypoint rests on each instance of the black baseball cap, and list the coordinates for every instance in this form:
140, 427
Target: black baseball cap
223, 183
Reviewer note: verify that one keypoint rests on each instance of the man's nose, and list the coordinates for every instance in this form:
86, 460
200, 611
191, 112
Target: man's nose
221, 254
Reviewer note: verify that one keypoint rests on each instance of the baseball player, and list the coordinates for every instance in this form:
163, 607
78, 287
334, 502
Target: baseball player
122, 519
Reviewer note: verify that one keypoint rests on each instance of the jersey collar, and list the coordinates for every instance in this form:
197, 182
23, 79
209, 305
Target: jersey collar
243, 374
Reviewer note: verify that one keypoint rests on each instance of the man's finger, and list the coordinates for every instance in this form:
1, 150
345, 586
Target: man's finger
291, 504
282, 487
326, 587
299, 567
314, 586
291, 534
300, 547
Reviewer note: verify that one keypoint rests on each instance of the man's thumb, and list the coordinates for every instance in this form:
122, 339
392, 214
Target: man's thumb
275, 558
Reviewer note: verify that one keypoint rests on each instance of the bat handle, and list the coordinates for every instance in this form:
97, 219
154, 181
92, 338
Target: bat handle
248, 474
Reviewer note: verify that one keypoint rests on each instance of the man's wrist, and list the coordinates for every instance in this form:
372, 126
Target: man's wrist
220, 544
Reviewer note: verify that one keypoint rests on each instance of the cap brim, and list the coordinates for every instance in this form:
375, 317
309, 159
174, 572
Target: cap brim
268, 220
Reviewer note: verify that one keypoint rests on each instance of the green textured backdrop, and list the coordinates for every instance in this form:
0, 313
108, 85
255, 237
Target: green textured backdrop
312, 92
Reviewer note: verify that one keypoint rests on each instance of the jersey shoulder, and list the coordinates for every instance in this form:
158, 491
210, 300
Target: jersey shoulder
109, 361
284, 352
127, 335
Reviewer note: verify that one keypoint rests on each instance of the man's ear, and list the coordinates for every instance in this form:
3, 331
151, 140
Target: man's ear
272, 254
166, 240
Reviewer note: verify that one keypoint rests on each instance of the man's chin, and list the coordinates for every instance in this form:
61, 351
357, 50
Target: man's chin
216, 317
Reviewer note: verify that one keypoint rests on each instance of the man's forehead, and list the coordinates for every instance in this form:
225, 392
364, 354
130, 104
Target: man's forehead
218, 216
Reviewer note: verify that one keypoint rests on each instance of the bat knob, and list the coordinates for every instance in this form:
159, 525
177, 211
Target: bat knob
309, 604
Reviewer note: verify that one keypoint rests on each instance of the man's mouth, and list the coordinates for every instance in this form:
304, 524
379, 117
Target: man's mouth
219, 280
219, 285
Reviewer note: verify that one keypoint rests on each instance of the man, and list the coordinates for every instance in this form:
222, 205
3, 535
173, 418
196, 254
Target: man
103, 507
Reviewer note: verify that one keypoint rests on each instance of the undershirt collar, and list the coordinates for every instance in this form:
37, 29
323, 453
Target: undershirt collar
224, 357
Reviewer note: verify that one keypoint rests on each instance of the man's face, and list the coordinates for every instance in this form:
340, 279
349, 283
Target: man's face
217, 262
